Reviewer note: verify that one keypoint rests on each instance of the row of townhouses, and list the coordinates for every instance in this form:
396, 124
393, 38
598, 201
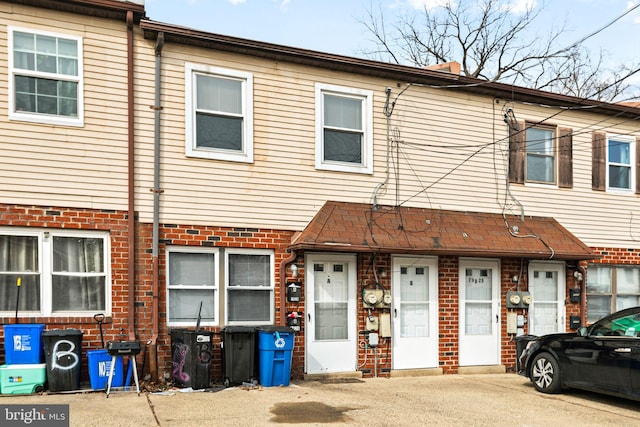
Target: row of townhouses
404, 220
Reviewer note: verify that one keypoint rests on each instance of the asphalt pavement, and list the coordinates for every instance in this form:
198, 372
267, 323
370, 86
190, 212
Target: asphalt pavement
446, 400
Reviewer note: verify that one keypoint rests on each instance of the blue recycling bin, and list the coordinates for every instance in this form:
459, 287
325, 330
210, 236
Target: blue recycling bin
275, 349
99, 367
23, 343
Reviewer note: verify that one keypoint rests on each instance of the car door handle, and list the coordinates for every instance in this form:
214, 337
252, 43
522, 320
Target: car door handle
623, 350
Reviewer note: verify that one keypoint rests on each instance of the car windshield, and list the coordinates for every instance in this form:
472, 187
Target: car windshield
628, 325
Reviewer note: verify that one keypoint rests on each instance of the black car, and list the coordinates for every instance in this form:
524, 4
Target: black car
604, 357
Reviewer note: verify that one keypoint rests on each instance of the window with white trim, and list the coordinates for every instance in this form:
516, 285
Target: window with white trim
54, 272
45, 77
192, 286
620, 169
540, 152
611, 288
219, 113
249, 286
344, 132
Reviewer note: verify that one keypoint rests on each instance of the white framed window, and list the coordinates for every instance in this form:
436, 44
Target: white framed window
344, 129
611, 288
249, 286
541, 160
620, 169
61, 273
219, 113
45, 77
192, 286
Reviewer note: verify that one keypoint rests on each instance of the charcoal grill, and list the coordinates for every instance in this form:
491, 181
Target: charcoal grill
128, 349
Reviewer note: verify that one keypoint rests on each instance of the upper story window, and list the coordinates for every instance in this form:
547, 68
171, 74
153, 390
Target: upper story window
344, 133
45, 77
611, 288
620, 170
219, 113
615, 163
541, 159
540, 154
60, 273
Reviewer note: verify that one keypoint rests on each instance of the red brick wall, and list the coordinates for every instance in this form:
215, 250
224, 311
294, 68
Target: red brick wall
115, 222
448, 313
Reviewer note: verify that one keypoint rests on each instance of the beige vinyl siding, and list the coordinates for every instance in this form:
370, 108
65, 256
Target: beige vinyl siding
440, 130
69, 166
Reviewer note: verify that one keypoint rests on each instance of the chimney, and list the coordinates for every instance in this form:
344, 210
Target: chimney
452, 67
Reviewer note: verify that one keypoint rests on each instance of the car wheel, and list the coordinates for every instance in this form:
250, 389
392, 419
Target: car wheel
545, 373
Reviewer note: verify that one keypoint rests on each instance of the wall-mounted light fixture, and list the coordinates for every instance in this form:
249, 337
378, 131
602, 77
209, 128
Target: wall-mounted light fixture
294, 270
382, 272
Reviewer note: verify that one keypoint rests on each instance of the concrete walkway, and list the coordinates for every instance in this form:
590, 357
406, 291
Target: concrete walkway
449, 400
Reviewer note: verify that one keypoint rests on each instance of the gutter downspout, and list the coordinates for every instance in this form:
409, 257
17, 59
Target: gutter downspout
283, 287
583, 295
131, 213
153, 356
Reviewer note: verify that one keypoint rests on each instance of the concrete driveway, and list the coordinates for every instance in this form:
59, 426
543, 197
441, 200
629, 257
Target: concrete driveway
449, 400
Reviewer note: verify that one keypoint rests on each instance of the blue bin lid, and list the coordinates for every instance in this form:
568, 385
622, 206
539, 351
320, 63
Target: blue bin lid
272, 329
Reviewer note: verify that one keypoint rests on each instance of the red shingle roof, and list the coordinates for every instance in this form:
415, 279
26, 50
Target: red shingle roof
357, 227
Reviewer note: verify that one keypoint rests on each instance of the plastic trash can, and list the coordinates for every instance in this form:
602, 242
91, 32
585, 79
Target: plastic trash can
99, 366
239, 361
191, 358
23, 344
275, 344
63, 354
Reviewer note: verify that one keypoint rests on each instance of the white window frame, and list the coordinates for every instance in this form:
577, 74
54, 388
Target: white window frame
45, 267
613, 293
553, 155
366, 96
215, 288
631, 165
41, 117
271, 288
191, 148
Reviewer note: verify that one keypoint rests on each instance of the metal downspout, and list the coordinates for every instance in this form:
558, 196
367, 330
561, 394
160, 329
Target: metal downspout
283, 287
153, 357
131, 213
583, 295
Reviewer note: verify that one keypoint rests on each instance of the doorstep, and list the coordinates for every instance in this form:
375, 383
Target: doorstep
332, 375
486, 369
428, 372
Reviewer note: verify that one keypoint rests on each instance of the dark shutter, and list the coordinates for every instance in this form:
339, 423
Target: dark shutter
637, 165
565, 161
598, 162
517, 153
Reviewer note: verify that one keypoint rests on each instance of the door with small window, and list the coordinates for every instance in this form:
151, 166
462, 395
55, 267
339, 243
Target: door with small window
479, 312
547, 288
331, 344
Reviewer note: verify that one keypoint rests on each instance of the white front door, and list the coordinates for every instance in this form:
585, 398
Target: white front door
547, 288
415, 312
479, 312
331, 336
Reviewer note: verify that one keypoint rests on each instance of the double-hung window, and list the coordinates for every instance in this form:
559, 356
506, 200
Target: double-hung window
54, 272
192, 286
541, 159
45, 77
219, 113
344, 134
620, 168
249, 286
611, 288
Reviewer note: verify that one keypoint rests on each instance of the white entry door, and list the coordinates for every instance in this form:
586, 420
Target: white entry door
547, 288
415, 312
479, 312
330, 305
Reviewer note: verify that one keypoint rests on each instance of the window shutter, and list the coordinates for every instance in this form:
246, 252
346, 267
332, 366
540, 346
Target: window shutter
598, 161
565, 162
637, 165
517, 153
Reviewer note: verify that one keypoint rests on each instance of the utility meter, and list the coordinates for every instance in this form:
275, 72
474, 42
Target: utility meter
370, 298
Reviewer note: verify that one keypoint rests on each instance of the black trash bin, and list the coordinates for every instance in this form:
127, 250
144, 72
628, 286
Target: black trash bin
63, 356
521, 344
191, 358
239, 361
